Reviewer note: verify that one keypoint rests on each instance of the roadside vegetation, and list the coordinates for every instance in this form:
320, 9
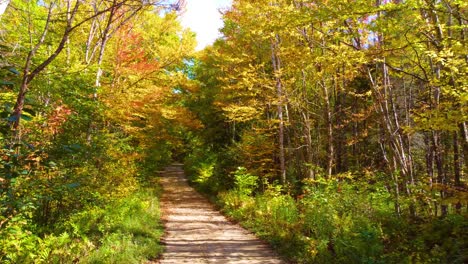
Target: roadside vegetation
126, 230
337, 130
86, 121
339, 220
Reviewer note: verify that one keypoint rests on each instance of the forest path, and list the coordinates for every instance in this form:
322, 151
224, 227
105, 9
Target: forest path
197, 233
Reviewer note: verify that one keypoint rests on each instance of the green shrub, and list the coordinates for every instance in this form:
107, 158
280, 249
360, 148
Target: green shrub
245, 183
344, 222
128, 230
125, 231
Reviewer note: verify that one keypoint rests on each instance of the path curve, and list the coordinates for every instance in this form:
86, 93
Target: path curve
197, 233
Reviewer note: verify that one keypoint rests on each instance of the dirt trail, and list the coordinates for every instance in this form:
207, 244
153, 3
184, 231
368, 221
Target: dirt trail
196, 233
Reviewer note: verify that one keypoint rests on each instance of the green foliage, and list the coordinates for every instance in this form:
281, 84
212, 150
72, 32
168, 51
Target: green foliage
363, 89
339, 222
200, 166
128, 230
21, 244
125, 231
72, 175
360, 106
245, 183
206, 168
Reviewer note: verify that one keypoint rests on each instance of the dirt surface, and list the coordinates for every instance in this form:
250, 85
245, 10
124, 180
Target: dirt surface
197, 233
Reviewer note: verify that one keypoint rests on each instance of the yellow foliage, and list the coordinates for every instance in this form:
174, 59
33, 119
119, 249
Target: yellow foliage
241, 113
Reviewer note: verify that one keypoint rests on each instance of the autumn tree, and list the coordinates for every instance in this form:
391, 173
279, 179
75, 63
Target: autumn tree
344, 87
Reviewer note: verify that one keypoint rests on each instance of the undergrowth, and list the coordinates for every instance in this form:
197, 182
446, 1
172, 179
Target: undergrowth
339, 222
127, 230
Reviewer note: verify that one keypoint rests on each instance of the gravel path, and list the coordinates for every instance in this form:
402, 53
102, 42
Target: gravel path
197, 233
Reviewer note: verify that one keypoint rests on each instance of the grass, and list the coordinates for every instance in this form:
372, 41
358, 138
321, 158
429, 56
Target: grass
126, 230
346, 226
130, 229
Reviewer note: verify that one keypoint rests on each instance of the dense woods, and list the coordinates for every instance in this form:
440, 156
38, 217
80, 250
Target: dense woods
88, 117
336, 130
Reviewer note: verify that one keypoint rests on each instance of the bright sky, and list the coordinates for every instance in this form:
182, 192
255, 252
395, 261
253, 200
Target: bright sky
203, 17
3, 6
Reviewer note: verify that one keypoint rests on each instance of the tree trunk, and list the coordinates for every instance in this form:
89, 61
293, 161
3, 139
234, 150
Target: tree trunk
104, 38
307, 133
28, 73
329, 125
464, 139
456, 167
279, 93
309, 151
